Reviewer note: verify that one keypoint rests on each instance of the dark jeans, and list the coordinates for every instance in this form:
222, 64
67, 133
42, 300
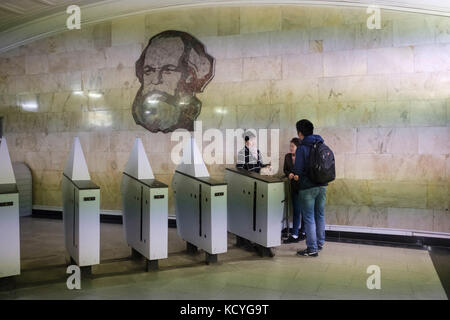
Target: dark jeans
312, 204
297, 215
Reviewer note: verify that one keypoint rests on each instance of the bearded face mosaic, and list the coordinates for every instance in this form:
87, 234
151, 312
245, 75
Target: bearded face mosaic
172, 69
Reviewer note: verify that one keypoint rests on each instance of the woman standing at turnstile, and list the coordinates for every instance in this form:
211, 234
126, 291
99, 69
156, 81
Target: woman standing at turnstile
288, 168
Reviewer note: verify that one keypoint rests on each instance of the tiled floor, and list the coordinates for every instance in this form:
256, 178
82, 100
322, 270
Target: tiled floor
338, 273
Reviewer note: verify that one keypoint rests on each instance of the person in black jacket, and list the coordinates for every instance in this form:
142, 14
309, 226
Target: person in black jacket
288, 168
312, 195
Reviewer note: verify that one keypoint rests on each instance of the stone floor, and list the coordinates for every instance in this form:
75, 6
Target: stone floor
338, 273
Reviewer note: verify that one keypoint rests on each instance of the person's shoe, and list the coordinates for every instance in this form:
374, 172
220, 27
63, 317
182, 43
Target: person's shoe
319, 247
301, 236
291, 239
307, 253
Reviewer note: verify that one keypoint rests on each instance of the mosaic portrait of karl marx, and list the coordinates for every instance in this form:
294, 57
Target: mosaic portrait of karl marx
172, 69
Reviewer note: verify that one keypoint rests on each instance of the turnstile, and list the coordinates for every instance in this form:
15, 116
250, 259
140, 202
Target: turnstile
200, 205
81, 212
9, 217
201, 211
145, 209
255, 208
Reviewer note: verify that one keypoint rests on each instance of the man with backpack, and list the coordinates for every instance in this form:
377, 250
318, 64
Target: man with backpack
314, 167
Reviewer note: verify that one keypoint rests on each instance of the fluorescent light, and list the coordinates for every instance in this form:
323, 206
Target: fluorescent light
221, 111
95, 95
30, 106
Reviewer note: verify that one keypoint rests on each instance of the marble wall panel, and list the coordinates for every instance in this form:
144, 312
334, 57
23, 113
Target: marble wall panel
415, 30
418, 86
294, 18
365, 216
340, 140
391, 114
302, 65
220, 117
373, 140
36, 64
128, 31
435, 58
252, 44
347, 192
228, 70
340, 165
336, 38
197, 21
249, 93
12, 66
438, 195
418, 219
292, 42
336, 215
390, 60
442, 30
353, 88
123, 56
418, 168
368, 166
398, 194
366, 38
228, 21
262, 68
434, 140
429, 113
404, 141
265, 18
301, 90
441, 221
258, 117
345, 63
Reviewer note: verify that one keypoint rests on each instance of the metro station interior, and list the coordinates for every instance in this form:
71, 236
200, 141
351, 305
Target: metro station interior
123, 124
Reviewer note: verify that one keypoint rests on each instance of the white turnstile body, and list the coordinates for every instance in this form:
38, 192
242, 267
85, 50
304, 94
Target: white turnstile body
9, 216
81, 210
255, 206
145, 216
9, 231
201, 211
81, 215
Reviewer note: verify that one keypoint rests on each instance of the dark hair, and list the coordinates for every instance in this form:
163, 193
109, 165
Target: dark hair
305, 127
248, 135
295, 141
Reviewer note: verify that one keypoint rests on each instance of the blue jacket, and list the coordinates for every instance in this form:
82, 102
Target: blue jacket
301, 165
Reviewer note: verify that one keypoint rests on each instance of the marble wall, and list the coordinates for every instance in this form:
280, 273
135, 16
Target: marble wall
380, 98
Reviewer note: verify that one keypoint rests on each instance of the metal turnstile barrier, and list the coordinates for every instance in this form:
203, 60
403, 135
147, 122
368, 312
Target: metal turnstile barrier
255, 208
145, 218
201, 211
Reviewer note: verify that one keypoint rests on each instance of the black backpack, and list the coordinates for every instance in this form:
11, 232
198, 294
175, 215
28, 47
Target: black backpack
321, 164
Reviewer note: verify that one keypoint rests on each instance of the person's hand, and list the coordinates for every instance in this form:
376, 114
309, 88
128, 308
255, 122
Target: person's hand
296, 178
291, 176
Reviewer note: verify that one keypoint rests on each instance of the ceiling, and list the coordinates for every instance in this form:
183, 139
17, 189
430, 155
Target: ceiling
22, 21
